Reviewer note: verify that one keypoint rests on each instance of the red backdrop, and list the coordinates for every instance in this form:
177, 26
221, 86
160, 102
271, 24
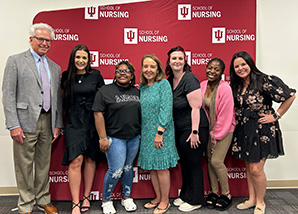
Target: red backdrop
205, 28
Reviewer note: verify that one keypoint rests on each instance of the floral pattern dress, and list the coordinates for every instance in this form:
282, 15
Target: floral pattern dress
157, 110
254, 141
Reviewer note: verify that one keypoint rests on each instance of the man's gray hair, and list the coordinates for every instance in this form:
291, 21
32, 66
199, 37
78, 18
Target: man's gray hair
39, 26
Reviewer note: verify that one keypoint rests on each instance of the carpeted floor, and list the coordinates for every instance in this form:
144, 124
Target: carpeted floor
277, 201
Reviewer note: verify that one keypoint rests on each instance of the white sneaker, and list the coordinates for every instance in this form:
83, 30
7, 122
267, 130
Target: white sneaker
128, 204
186, 207
108, 208
177, 202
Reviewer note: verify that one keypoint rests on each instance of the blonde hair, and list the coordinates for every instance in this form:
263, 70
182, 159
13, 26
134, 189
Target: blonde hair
161, 73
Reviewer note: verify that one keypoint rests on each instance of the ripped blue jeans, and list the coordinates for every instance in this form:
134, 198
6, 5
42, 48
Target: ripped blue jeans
120, 159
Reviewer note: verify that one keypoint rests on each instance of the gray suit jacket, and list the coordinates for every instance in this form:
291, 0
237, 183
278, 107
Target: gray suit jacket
22, 93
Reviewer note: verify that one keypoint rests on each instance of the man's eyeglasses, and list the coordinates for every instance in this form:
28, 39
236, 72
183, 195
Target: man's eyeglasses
41, 40
118, 71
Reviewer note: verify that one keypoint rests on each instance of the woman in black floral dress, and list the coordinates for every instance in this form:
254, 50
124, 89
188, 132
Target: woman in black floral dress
257, 135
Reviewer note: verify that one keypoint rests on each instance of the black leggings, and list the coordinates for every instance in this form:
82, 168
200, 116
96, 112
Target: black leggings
192, 190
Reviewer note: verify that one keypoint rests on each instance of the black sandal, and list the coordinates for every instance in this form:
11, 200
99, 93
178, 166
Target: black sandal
210, 200
223, 203
85, 207
75, 205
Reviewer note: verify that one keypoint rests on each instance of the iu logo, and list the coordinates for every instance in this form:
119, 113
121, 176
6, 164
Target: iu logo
91, 12
135, 175
130, 35
188, 57
94, 58
219, 35
184, 11
94, 195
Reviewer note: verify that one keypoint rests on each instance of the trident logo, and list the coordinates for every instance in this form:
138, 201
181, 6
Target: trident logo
94, 195
130, 35
188, 57
91, 11
184, 11
136, 175
218, 34
94, 58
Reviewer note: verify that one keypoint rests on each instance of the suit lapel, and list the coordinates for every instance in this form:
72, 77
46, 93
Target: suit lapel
30, 60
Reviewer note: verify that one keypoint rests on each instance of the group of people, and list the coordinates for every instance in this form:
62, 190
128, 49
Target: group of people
164, 120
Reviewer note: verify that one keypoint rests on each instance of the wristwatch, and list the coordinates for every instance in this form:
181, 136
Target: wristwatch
275, 116
160, 132
195, 131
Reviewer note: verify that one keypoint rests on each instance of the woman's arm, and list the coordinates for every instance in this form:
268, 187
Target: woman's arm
165, 116
224, 112
158, 137
195, 101
283, 108
101, 130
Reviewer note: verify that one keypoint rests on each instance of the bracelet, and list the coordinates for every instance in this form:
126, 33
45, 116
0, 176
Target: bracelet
160, 132
103, 139
278, 114
275, 116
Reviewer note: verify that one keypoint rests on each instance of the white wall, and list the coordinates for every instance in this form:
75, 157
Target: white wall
276, 54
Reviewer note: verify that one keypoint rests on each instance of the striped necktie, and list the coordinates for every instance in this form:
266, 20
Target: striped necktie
45, 86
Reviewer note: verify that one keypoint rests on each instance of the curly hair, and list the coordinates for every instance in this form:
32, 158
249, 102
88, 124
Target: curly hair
131, 69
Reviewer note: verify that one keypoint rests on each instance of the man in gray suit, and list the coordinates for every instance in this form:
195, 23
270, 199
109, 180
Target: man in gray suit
33, 112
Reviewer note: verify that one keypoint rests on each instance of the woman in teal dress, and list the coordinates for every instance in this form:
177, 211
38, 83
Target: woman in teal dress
158, 152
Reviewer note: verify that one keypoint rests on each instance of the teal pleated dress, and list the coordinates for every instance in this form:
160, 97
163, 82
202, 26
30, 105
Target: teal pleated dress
157, 110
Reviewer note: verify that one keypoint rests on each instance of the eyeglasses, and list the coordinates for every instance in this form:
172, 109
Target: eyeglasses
118, 71
41, 40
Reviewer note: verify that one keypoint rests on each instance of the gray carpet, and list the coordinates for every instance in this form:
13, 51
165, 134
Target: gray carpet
277, 201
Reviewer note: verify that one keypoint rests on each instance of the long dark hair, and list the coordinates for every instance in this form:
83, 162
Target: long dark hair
71, 75
131, 68
169, 71
255, 76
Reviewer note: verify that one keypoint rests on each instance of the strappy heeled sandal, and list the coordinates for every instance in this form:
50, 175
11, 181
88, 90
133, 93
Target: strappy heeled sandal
85, 208
74, 205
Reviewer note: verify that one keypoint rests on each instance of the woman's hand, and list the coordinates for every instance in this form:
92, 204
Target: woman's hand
194, 140
158, 141
104, 145
266, 118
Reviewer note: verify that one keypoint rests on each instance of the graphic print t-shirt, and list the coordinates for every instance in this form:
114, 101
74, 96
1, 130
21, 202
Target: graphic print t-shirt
121, 108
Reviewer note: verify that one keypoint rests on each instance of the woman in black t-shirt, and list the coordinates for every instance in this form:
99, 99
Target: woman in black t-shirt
117, 114
191, 138
79, 84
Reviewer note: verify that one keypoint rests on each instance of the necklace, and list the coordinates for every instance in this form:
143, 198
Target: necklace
80, 78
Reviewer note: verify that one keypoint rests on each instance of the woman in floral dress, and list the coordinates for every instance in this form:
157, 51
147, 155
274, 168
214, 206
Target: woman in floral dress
257, 135
158, 152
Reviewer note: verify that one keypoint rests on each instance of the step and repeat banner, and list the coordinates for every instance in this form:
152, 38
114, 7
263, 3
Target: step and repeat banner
204, 28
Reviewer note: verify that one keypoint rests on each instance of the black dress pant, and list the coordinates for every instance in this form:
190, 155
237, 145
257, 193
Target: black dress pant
192, 190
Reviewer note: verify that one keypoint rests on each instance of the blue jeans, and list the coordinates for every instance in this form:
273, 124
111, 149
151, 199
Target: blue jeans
120, 159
